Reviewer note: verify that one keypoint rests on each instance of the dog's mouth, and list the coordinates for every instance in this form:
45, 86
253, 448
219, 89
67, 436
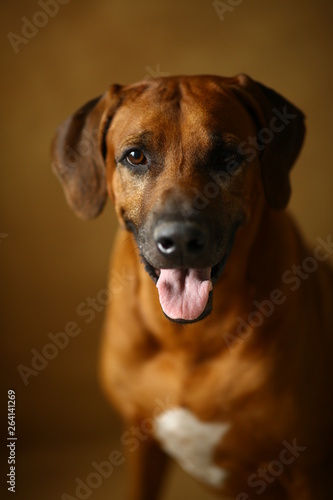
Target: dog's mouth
185, 294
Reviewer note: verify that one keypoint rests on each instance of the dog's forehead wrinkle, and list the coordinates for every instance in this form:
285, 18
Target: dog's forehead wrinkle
186, 103
144, 139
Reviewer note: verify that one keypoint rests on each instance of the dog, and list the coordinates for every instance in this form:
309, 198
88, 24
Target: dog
217, 347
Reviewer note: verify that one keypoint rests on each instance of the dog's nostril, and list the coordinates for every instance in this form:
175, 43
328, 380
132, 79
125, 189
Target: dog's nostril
195, 245
166, 245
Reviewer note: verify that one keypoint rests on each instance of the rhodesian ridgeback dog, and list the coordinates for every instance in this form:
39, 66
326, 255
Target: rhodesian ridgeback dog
217, 349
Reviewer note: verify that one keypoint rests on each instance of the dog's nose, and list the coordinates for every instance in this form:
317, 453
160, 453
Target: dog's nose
180, 240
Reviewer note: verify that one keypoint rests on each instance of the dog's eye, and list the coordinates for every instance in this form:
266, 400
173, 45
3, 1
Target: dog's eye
229, 156
136, 157
231, 160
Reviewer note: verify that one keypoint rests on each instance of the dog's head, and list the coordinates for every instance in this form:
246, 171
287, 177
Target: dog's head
186, 161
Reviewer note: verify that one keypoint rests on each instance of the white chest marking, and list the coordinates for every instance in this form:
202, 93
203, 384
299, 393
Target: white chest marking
191, 443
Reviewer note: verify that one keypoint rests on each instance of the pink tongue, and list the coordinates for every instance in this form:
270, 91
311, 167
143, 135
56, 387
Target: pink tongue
184, 293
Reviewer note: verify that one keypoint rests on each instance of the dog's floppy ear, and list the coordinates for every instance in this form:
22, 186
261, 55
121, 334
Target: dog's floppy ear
281, 133
78, 154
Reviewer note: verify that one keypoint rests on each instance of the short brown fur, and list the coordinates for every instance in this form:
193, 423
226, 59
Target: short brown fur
273, 384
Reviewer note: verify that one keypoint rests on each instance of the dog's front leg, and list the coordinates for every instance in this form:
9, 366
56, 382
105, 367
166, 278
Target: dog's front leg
147, 465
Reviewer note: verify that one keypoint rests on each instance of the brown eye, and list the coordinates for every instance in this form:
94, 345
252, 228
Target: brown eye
229, 156
135, 157
231, 161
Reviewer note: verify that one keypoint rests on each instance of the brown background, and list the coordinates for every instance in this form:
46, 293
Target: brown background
51, 261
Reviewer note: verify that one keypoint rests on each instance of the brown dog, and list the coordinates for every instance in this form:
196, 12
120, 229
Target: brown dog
236, 341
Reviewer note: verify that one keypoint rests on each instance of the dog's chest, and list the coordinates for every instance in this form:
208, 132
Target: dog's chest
192, 443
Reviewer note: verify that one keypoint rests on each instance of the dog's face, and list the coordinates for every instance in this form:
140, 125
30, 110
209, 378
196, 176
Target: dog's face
182, 184
186, 160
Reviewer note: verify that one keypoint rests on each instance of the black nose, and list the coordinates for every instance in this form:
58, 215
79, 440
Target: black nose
180, 240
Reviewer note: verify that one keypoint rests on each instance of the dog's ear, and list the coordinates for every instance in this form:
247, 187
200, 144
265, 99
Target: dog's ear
78, 153
281, 133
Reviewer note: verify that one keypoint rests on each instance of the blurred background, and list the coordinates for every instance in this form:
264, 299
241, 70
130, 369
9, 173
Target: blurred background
50, 260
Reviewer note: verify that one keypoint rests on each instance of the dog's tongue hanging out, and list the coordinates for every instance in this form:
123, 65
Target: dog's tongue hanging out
184, 293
